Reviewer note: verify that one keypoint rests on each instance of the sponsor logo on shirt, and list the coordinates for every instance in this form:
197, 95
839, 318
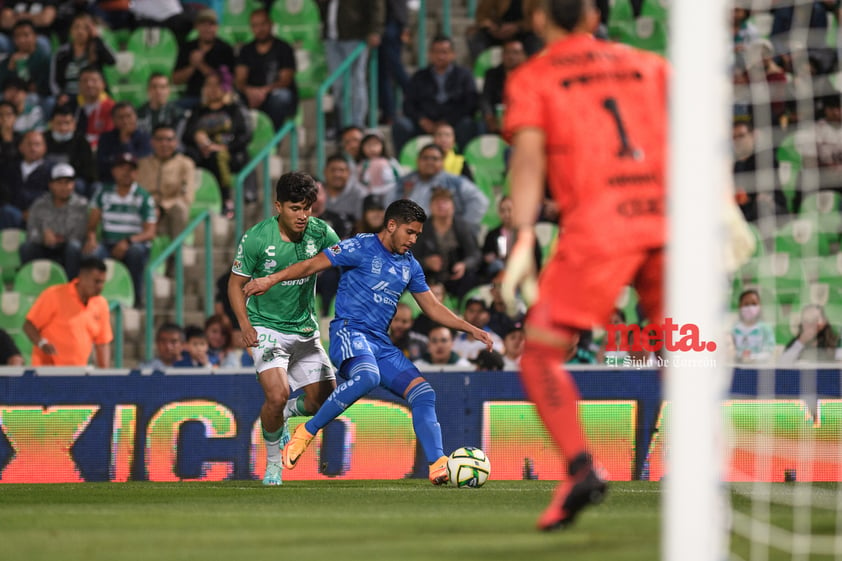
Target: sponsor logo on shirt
237, 264
336, 249
376, 265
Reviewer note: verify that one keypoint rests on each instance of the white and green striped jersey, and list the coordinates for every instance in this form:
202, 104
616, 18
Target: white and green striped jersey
289, 306
124, 216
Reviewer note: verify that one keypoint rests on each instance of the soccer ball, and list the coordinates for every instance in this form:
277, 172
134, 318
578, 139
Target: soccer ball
468, 467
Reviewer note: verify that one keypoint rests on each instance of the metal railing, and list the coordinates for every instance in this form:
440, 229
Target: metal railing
116, 310
262, 157
344, 71
178, 288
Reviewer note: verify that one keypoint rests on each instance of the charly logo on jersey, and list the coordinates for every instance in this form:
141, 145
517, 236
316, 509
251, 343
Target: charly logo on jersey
310, 249
376, 265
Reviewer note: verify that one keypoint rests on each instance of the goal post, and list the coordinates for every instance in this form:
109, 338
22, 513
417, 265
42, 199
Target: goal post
694, 506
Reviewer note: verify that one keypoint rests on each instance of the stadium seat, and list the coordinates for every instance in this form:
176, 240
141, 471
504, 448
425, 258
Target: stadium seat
621, 21
127, 79
13, 309
656, 9
264, 130
158, 47
789, 168
547, 234
208, 195
780, 273
801, 238
489, 58
37, 275
311, 71
234, 19
650, 35
116, 39
297, 21
10, 242
408, 299
118, 283
409, 153
486, 156
829, 272
627, 301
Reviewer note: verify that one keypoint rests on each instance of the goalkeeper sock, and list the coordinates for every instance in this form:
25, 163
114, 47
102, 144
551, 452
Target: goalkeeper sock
272, 439
422, 400
362, 377
552, 389
295, 408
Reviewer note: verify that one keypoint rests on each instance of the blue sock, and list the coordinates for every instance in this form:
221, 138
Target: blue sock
422, 400
363, 376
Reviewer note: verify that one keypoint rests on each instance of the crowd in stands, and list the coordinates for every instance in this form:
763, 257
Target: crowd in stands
88, 171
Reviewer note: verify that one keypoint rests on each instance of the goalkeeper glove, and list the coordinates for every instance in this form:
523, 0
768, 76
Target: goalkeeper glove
520, 276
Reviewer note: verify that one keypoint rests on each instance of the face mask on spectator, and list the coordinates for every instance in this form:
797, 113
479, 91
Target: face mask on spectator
749, 313
62, 136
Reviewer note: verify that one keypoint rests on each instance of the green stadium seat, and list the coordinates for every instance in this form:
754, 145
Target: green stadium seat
13, 309
118, 283
782, 275
801, 238
159, 244
10, 242
486, 156
23, 344
37, 275
789, 168
621, 22
116, 39
409, 153
487, 59
656, 9
627, 301
297, 21
264, 130
409, 300
830, 273
208, 195
547, 234
650, 35
825, 210
157, 46
127, 79
311, 71
235, 19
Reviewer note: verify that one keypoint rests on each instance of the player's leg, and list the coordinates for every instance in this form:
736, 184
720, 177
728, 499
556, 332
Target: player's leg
271, 361
401, 377
309, 369
358, 366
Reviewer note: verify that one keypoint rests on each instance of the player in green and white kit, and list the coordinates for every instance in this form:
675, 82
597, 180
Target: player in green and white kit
281, 326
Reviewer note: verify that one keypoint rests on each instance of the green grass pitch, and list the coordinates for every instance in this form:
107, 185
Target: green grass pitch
328, 520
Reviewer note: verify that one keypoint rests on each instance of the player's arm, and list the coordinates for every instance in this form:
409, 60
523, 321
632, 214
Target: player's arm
441, 314
299, 270
238, 304
528, 176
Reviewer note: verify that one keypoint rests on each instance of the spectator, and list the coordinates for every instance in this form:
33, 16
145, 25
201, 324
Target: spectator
68, 320
346, 24
410, 343
125, 213
202, 57
163, 13
169, 347
124, 138
221, 348
85, 48
376, 173
754, 339
471, 203
423, 323
498, 243
9, 137
442, 92
488, 361
57, 223
350, 139
446, 248
9, 352
476, 313
498, 21
513, 341
391, 71
67, 144
373, 214
41, 13
198, 352
159, 110
319, 210
820, 144
758, 195
344, 197
94, 106
24, 180
170, 178
816, 340
499, 320
455, 164
217, 135
27, 61
30, 114
265, 72
440, 356
742, 28
491, 99
115, 13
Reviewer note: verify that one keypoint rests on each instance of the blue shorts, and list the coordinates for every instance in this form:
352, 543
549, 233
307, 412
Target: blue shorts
396, 371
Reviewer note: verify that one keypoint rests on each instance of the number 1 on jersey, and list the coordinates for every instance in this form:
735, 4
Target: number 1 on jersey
626, 149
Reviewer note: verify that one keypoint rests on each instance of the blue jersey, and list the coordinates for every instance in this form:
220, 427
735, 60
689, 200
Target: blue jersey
371, 283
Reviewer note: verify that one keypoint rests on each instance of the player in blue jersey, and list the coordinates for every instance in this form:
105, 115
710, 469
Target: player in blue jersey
375, 270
